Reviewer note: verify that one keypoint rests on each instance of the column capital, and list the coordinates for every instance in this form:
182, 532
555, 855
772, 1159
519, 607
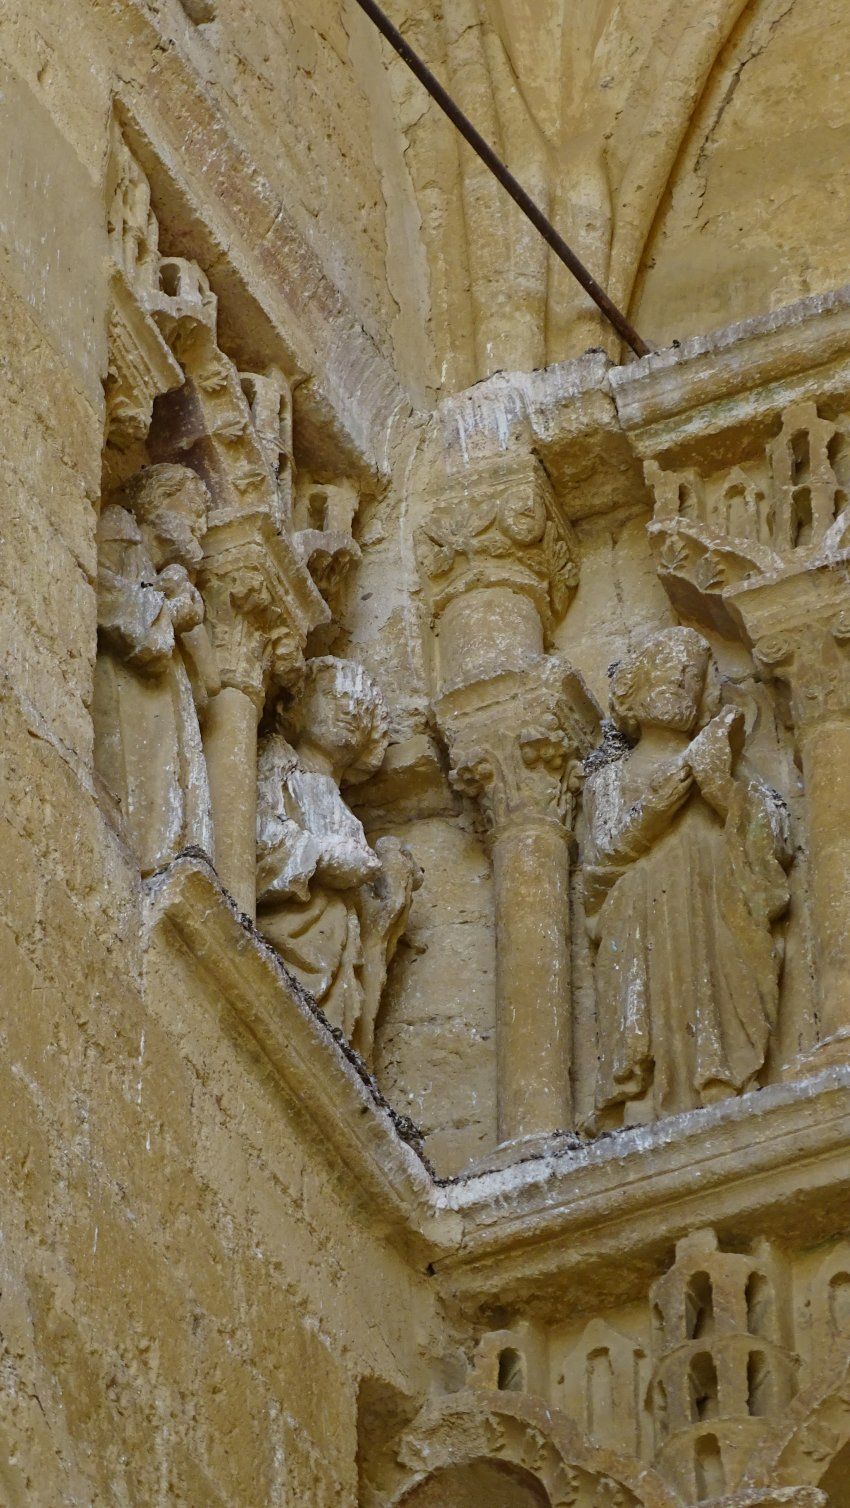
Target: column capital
796, 620
516, 743
496, 524
260, 604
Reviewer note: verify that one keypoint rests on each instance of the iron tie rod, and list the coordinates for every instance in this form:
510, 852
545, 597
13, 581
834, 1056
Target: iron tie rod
499, 170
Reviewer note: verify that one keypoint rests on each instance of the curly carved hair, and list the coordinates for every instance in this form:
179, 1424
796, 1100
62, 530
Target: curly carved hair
630, 676
345, 678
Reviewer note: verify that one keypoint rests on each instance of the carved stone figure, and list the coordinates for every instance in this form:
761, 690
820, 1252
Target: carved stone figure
332, 906
685, 876
155, 667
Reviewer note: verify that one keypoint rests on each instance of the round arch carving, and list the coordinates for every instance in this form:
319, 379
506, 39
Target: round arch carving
814, 1432
522, 1432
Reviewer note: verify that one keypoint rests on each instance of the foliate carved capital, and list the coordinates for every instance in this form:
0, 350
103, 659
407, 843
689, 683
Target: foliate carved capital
497, 525
259, 607
516, 743
797, 623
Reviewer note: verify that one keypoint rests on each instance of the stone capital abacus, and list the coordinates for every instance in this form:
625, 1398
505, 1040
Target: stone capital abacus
260, 603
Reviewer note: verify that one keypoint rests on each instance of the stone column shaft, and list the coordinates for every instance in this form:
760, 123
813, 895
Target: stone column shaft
230, 744
500, 567
531, 875
825, 751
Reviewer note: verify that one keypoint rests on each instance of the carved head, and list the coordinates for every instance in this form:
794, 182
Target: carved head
341, 714
170, 505
670, 682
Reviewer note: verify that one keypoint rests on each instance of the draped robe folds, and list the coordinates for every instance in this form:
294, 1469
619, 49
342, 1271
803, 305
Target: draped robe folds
148, 748
687, 968
312, 858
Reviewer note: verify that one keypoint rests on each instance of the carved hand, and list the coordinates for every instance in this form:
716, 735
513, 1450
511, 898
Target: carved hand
713, 754
185, 602
665, 795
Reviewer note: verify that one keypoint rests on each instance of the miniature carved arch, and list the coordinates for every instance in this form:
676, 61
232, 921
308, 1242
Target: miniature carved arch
606, 1378
510, 1432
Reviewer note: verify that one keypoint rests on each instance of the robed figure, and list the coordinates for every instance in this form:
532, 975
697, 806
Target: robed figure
155, 667
333, 907
684, 881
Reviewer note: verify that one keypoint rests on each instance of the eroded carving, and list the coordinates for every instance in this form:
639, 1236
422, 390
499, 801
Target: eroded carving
155, 668
723, 1362
500, 528
684, 880
761, 552
332, 906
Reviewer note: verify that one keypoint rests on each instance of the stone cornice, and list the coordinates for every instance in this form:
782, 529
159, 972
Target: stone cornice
235, 223
592, 424
675, 402
321, 1080
609, 1212
536, 1230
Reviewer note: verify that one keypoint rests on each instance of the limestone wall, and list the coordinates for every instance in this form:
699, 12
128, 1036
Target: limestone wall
191, 1291
233, 1271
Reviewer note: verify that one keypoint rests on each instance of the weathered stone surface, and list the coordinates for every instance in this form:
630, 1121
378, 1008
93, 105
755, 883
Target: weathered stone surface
504, 1157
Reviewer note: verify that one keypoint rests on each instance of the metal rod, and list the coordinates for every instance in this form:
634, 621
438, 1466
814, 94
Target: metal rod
464, 125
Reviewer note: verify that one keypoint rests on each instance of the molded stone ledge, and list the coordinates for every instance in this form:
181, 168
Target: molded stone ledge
564, 413
538, 1230
278, 304
323, 1080
676, 402
608, 1212
591, 423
